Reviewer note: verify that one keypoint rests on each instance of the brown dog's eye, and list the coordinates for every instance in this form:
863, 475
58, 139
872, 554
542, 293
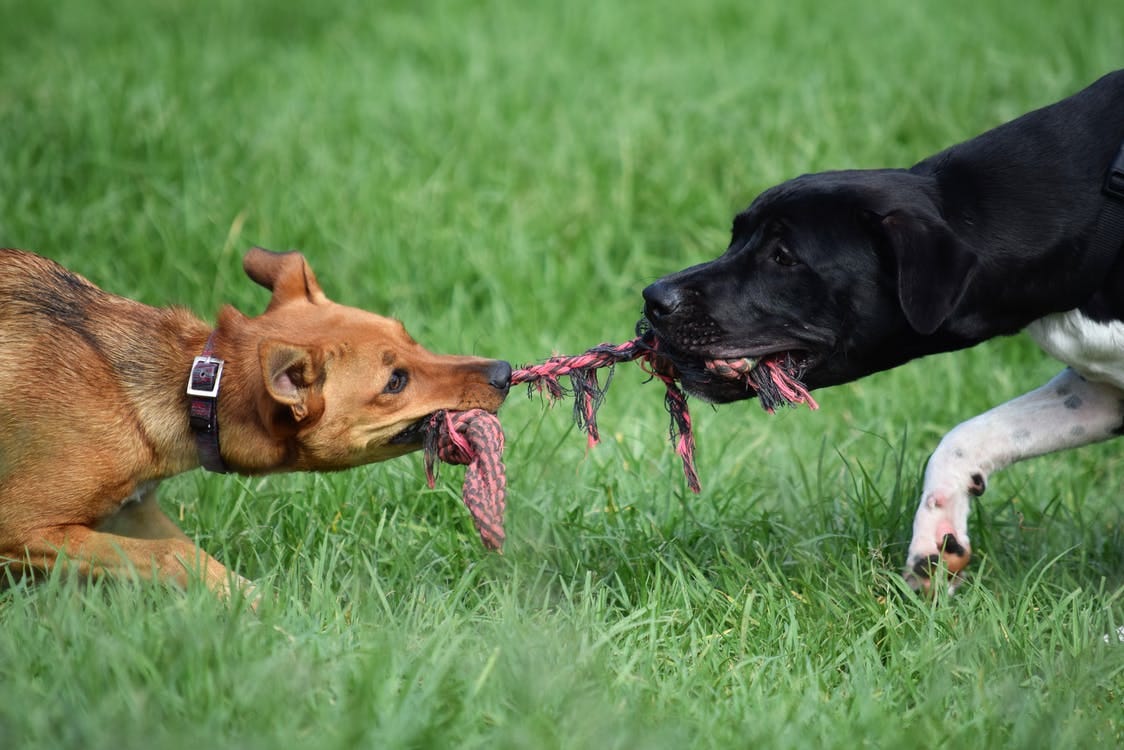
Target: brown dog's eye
397, 382
782, 257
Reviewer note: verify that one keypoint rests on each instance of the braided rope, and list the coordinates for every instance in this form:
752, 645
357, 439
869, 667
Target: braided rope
775, 380
475, 437
588, 392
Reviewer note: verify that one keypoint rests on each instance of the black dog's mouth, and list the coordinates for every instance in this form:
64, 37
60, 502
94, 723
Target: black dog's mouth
721, 374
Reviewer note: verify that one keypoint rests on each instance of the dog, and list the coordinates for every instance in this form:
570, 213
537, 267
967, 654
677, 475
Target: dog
103, 397
854, 272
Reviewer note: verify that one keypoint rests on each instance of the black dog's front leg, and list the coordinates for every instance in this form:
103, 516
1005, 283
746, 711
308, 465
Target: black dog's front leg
1067, 412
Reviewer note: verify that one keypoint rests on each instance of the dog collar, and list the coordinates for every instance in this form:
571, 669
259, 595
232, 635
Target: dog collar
1108, 235
203, 407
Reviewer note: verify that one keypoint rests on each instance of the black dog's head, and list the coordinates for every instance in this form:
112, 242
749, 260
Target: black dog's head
845, 271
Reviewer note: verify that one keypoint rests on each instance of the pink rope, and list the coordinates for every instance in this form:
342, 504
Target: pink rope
775, 380
475, 437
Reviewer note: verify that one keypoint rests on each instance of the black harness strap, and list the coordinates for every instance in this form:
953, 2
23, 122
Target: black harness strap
1108, 235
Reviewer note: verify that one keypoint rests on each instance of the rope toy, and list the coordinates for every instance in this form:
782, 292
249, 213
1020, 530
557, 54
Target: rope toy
589, 393
775, 381
475, 437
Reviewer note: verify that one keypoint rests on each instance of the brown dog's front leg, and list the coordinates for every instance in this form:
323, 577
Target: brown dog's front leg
91, 553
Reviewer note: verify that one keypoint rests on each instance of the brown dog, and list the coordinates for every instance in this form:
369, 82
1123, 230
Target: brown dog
94, 413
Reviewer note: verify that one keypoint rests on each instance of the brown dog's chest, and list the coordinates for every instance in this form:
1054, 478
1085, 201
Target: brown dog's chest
122, 516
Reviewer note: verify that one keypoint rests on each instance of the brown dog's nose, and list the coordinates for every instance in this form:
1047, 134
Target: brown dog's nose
661, 300
499, 375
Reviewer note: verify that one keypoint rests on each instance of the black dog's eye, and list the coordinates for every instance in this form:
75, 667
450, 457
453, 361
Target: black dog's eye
397, 382
782, 256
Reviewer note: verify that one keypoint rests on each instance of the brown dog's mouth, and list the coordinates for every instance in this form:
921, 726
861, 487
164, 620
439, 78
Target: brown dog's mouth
414, 434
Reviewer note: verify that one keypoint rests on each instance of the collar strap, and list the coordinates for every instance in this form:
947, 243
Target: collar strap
203, 407
1108, 234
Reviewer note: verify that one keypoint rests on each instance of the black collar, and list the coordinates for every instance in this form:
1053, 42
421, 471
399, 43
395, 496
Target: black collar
1108, 235
202, 409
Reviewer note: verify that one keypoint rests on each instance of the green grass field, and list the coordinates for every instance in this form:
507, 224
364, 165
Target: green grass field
506, 177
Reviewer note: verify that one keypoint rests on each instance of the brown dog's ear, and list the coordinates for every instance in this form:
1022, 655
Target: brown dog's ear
287, 275
291, 374
934, 267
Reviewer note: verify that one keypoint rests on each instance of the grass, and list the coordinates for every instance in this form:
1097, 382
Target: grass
505, 177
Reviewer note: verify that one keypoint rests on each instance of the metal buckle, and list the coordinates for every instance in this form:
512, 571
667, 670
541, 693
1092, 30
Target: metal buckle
206, 372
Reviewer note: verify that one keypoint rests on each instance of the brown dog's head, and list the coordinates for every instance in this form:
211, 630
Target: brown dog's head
329, 386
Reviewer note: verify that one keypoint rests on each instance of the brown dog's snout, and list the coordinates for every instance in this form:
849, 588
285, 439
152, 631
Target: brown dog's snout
499, 375
661, 300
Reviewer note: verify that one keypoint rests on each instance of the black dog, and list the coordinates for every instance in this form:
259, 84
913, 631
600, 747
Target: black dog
853, 272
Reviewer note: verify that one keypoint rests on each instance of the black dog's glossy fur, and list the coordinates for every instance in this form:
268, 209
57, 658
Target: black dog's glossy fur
859, 271
854, 272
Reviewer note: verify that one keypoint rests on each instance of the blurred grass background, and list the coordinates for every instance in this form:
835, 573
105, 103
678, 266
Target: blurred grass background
505, 178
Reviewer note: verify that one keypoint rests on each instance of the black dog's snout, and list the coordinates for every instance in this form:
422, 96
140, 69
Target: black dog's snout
661, 300
499, 375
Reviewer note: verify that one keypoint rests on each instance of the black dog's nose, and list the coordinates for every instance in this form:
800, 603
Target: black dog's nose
499, 375
661, 299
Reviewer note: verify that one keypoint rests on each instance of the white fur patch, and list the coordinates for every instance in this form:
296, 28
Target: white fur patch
140, 492
1095, 350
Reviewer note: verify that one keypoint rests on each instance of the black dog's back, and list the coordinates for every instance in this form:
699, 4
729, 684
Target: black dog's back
1031, 191
1035, 181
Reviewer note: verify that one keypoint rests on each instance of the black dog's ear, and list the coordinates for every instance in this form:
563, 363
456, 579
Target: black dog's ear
934, 267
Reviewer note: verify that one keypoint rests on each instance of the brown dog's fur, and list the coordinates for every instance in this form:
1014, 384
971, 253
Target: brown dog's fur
93, 410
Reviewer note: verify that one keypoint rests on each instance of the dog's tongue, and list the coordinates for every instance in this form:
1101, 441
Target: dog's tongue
474, 438
775, 378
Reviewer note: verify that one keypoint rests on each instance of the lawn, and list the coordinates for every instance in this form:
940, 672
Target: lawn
505, 177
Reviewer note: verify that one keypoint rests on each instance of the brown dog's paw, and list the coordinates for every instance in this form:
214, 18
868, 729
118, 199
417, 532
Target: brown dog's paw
238, 591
